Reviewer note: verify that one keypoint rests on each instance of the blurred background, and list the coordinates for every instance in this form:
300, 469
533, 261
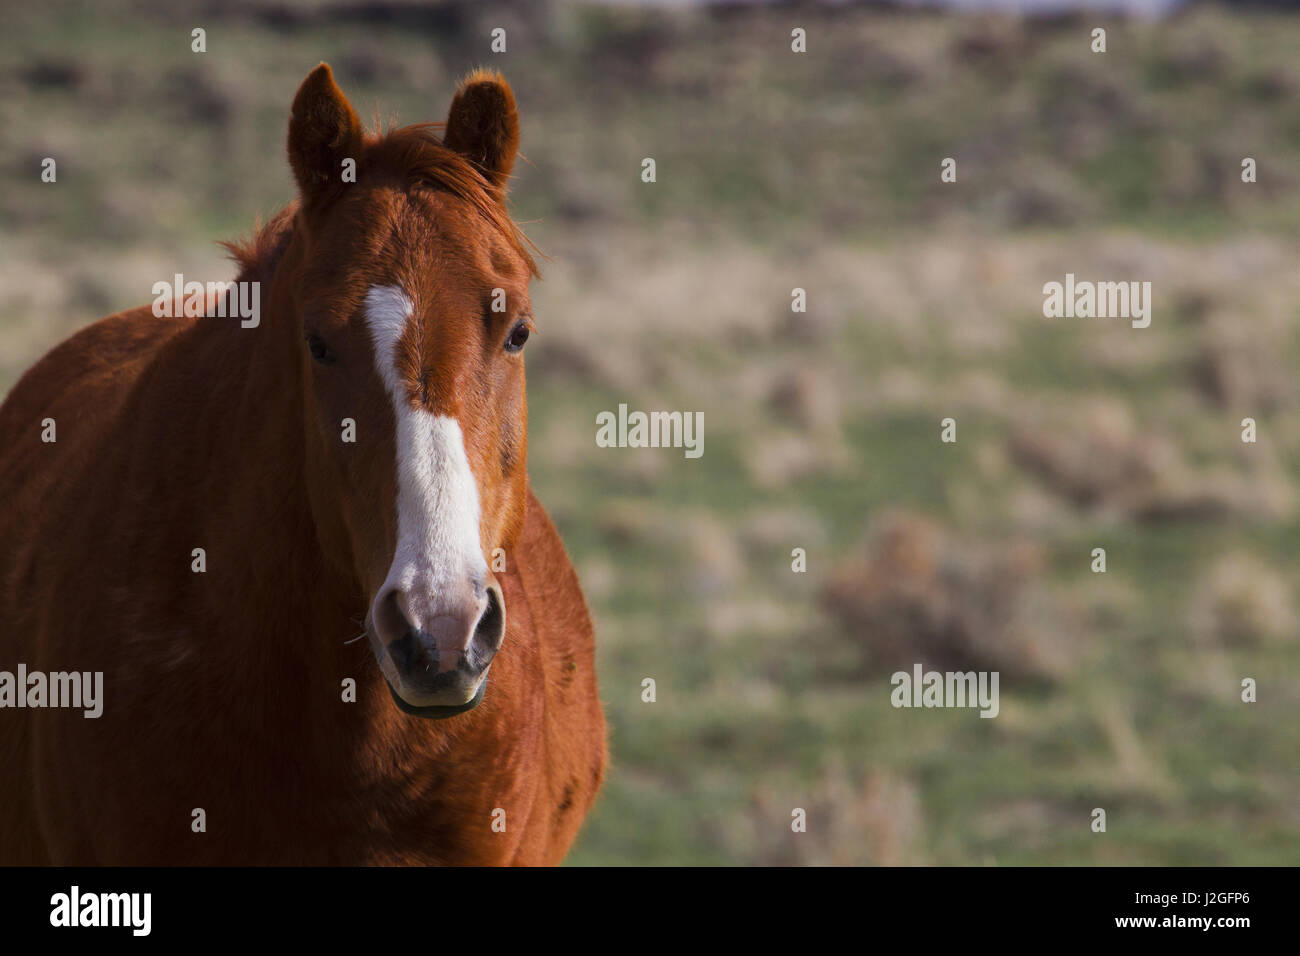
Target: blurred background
819, 171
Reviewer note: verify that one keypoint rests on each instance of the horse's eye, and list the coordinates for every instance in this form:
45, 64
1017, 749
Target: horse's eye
518, 336
319, 350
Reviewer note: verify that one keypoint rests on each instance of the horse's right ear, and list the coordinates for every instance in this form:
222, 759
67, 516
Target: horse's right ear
323, 131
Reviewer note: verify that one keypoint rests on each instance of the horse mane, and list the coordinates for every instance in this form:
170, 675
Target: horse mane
417, 155
258, 255
414, 155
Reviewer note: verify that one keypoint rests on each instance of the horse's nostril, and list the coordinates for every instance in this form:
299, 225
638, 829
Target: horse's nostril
390, 619
491, 627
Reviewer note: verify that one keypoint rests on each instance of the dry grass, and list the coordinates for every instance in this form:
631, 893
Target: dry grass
918, 596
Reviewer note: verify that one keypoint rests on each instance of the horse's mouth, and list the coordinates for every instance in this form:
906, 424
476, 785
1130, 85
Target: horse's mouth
393, 678
436, 711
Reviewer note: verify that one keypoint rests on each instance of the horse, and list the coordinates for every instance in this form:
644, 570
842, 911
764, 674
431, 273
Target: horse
212, 513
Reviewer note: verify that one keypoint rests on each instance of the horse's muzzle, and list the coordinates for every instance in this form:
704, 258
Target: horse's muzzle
442, 666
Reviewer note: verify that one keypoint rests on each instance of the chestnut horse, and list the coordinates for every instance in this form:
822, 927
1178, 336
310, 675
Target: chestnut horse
210, 511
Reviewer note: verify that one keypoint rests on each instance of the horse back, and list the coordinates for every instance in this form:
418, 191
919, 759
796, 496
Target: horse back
79, 387
53, 425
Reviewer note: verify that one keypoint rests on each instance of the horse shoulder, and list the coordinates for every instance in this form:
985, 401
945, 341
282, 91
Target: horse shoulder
574, 721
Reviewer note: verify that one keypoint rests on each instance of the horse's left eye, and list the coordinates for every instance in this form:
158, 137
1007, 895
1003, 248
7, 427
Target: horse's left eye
518, 336
319, 350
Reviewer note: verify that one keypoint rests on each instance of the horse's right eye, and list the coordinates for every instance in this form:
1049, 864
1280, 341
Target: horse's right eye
319, 350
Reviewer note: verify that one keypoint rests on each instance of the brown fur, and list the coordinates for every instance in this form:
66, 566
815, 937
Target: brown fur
222, 690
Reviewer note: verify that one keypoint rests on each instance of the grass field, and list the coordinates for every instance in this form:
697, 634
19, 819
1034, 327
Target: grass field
822, 429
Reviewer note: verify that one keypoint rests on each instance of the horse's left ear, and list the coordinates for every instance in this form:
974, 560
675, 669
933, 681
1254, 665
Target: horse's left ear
323, 131
483, 125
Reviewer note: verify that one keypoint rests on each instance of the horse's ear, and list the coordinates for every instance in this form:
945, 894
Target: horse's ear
483, 125
323, 131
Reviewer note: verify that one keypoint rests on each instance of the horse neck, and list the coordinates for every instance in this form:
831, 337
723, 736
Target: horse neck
282, 591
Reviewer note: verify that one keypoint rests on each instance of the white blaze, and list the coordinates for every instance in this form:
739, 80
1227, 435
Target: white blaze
438, 549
